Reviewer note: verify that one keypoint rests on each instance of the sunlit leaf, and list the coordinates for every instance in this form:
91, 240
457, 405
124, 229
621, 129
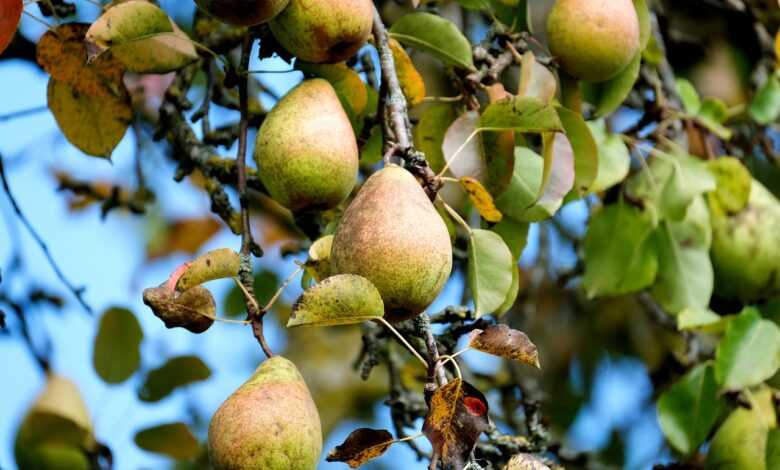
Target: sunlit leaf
489, 271
481, 199
536, 80
520, 114
117, 354
614, 158
215, 264
10, 14
586, 154
514, 233
457, 415
176, 372
411, 81
338, 300
749, 352
689, 96
435, 35
174, 440
500, 340
701, 319
733, 183
361, 445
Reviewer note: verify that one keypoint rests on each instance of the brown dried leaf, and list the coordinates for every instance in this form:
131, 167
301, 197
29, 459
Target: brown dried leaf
361, 445
458, 414
481, 199
500, 340
193, 309
10, 13
183, 235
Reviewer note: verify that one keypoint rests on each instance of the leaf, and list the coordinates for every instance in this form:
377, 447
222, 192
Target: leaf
733, 184
361, 445
689, 96
117, 352
489, 271
620, 256
701, 319
318, 264
435, 35
685, 275
93, 124
371, 151
773, 440
609, 95
174, 440
643, 13
765, 107
412, 83
481, 199
10, 14
511, 296
500, 340
536, 80
688, 410
343, 299
215, 264
462, 147
586, 153
182, 235
193, 309
520, 114
515, 235
519, 199
176, 372
457, 415
558, 172
142, 37
435, 120
614, 160
749, 352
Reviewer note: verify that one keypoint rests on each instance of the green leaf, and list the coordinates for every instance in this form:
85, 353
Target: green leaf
687, 411
490, 270
435, 119
518, 201
371, 151
515, 235
215, 264
773, 449
514, 14
511, 296
749, 352
609, 95
765, 107
685, 277
558, 172
614, 158
435, 35
174, 440
117, 352
643, 13
689, 96
620, 254
142, 37
733, 184
343, 299
520, 114
701, 319
586, 154
177, 372
712, 114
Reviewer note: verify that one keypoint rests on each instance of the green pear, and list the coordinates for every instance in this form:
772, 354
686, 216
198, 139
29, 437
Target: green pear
392, 235
243, 12
269, 423
324, 31
593, 40
740, 442
746, 247
306, 150
56, 430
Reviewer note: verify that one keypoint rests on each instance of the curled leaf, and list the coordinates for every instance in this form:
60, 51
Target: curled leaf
318, 264
193, 309
500, 340
481, 199
338, 300
361, 445
215, 264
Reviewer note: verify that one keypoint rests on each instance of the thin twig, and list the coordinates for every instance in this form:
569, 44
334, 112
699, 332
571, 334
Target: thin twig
77, 291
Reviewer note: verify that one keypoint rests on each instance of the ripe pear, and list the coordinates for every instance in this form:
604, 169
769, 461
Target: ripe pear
56, 430
243, 12
593, 40
740, 442
745, 249
324, 31
306, 150
269, 423
392, 235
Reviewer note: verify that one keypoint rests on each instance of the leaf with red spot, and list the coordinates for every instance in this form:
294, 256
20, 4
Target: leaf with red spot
10, 13
361, 445
458, 414
500, 340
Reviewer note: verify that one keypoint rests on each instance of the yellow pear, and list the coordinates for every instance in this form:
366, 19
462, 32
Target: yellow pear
243, 12
306, 150
392, 235
268, 423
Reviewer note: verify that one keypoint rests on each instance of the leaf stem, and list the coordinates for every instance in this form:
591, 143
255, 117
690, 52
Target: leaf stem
403, 340
458, 151
456, 216
281, 289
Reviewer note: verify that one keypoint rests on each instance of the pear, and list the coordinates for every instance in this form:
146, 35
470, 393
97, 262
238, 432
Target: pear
56, 430
269, 423
392, 235
243, 12
324, 31
593, 40
746, 247
306, 151
740, 442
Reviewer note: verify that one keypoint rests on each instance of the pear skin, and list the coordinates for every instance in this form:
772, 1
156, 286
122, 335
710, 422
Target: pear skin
392, 235
269, 423
593, 40
306, 150
243, 12
324, 31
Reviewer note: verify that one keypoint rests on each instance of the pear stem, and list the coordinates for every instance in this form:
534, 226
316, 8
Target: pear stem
403, 340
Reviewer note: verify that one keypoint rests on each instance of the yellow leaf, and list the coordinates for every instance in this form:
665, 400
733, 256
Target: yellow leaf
412, 83
481, 199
